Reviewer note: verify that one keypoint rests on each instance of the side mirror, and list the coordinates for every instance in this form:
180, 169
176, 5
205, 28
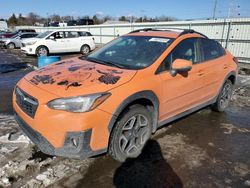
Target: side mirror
180, 66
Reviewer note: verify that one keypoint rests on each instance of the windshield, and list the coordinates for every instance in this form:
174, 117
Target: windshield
131, 52
15, 36
45, 34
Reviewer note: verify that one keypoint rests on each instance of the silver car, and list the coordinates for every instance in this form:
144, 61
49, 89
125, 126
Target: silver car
16, 40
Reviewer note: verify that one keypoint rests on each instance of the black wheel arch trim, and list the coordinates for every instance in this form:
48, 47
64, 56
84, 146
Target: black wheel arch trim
148, 95
42, 46
232, 73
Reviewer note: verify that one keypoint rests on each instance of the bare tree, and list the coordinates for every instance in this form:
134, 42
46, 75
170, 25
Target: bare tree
55, 18
32, 18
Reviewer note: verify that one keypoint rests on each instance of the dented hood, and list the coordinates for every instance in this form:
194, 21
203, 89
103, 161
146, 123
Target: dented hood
74, 77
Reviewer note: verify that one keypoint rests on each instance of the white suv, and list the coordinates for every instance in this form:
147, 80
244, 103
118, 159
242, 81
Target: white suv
59, 42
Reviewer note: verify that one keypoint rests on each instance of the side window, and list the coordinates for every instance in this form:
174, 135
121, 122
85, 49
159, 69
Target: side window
58, 35
84, 33
211, 49
186, 49
24, 36
72, 34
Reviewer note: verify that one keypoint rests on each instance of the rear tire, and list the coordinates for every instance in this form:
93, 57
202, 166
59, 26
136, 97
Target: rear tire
130, 133
11, 46
42, 51
224, 97
85, 49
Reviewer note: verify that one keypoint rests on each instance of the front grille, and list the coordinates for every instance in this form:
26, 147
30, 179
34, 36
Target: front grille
26, 102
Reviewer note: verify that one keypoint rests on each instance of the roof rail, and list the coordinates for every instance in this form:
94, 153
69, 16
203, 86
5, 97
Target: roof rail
182, 31
142, 30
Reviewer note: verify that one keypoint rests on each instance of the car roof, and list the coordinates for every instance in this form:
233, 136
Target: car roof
28, 33
156, 34
68, 30
169, 33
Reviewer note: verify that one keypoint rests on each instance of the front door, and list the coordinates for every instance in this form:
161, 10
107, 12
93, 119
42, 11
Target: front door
183, 91
58, 44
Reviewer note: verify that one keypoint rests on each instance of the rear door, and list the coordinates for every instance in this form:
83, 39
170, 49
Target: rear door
73, 41
184, 91
213, 65
87, 38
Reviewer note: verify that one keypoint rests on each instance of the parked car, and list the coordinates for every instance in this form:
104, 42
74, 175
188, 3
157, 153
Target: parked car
72, 23
16, 41
113, 99
80, 22
9, 35
59, 42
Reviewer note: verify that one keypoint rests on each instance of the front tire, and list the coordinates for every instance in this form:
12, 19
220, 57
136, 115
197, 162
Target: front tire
11, 46
130, 134
224, 97
42, 51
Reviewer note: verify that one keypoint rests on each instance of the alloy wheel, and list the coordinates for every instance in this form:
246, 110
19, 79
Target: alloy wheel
135, 133
225, 96
42, 52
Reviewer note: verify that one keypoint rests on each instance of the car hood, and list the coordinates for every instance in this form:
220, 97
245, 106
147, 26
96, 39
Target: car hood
74, 77
30, 40
5, 39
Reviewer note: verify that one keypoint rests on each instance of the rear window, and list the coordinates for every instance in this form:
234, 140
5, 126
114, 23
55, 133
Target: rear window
211, 49
85, 34
88, 34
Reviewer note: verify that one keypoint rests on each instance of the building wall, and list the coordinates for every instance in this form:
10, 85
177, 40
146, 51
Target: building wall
3, 25
234, 34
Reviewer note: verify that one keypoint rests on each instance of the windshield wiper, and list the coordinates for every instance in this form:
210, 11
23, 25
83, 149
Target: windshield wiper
105, 62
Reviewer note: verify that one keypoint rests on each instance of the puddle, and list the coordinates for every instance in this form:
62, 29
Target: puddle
11, 67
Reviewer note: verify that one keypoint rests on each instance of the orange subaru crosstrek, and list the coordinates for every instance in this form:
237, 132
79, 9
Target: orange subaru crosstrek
114, 99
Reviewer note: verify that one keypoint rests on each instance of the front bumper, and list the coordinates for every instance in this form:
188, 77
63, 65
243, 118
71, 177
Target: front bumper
28, 50
76, 144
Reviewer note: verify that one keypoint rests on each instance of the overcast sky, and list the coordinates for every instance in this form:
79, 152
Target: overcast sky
181, 9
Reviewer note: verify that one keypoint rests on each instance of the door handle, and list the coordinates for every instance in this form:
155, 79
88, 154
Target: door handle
200, 73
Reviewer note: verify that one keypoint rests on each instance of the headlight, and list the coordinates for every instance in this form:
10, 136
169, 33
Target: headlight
30, 43
79, 104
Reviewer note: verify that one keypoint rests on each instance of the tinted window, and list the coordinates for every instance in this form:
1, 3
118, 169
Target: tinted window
72, 34
211, 49
25, 36
187, 49
85, 34
33, 35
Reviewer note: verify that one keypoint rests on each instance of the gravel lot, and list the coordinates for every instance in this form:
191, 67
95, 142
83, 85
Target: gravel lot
205, 149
